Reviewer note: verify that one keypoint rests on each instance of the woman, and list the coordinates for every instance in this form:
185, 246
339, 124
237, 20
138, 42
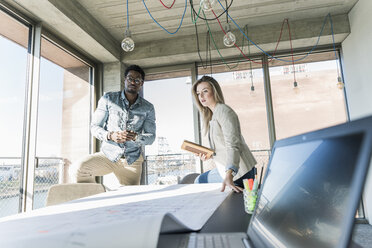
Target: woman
234, 161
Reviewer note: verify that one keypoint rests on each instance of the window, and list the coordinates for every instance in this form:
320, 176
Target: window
243, 90
63, 117
166, 162
317, 102
13, 67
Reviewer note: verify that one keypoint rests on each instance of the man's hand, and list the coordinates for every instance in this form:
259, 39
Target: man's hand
123, 136
230, 182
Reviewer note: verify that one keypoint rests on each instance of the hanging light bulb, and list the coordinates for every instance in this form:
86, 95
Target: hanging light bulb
252, 92
229, 38
127, 44
207, 5
251, 76
340, 84
296, 89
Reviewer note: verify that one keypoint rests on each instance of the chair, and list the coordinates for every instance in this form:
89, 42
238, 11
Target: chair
189, 178
60, 193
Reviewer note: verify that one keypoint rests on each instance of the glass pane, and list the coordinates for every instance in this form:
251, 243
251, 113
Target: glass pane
166, 162
13, 68
249, 104
316, 102
63, 117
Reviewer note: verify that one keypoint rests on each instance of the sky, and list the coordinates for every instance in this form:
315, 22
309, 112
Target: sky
13, 64
173, 109
13, 68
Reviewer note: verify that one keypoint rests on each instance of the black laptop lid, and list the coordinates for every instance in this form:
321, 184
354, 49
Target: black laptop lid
312, 188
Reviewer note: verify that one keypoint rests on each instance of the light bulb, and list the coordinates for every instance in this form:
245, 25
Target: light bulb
340, 84
229, 38
295, 87
127, 44
207, 5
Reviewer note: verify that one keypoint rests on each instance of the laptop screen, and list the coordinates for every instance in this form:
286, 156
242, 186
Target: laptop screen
306, 194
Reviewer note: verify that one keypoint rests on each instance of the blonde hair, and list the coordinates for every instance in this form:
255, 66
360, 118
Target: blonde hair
206, 113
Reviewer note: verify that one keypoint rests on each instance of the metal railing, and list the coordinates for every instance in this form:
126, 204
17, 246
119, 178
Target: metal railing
170, 168
262, 157
161, 169
10, 184
48, 171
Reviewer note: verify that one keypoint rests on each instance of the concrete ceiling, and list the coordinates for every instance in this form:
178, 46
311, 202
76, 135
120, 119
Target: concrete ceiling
96, 27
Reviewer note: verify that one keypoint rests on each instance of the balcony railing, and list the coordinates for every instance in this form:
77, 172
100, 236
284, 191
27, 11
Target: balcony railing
48, 171
170, 168
161, 169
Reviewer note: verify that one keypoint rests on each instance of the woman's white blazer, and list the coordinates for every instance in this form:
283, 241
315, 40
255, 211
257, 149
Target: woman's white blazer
226, 140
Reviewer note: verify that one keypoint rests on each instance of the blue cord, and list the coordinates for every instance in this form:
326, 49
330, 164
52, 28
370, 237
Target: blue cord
161, 25
333, 36
284, 60
127, 16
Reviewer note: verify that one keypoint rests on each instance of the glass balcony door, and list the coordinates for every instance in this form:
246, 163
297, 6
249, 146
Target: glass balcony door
166, 162
13, 79
63, 118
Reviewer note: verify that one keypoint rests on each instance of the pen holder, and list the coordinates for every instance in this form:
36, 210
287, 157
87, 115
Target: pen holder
250, 198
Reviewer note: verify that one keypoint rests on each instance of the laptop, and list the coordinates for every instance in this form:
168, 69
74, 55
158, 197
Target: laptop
310, 193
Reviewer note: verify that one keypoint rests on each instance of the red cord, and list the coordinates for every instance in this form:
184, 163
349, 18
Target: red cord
166, 5
276, 47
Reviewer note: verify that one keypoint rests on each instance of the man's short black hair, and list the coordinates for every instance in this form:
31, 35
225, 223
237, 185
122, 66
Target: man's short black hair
135, 68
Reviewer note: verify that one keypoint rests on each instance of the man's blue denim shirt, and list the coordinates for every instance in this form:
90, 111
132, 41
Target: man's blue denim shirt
114, 114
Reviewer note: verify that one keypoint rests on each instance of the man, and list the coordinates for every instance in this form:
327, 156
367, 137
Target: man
125, 122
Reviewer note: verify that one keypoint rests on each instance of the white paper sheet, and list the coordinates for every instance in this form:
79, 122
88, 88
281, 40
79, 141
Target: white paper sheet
132, 216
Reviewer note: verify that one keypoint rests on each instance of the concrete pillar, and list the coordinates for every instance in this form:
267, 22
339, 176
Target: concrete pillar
113, 76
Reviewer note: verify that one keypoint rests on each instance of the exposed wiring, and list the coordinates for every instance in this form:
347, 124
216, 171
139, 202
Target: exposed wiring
249, 54
160, 24
241, 53
284, 60
210, 19
218, 51
209, 50
290, 42
277, 44
227, 12
197, 39
197, 15
127, 15
166, 5
334, 48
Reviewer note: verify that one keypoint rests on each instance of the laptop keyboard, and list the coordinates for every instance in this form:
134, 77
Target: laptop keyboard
208, 240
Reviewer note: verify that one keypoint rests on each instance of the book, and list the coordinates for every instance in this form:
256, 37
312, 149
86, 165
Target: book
196, 148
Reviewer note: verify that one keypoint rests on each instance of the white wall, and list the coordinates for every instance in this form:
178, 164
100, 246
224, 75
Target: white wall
357, 54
